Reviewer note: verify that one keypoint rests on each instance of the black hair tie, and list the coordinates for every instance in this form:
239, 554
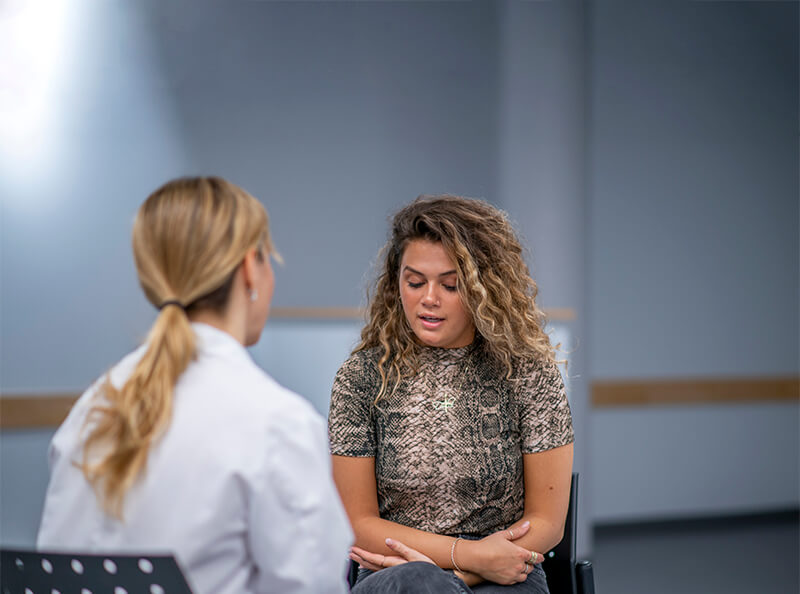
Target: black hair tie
172, 302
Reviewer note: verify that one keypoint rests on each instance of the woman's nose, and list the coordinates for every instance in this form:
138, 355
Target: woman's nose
431, 297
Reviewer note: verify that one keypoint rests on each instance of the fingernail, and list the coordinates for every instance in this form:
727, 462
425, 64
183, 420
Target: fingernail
526, 523
389, 542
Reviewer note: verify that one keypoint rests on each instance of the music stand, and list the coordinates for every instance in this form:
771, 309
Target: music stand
23, 572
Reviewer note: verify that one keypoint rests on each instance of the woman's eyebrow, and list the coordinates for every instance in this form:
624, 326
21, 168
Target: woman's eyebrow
414, 271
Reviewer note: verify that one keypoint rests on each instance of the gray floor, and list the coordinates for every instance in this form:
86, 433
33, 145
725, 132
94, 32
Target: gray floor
755, 554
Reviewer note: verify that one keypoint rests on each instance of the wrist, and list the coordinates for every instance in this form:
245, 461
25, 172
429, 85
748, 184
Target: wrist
453, 560
468, 556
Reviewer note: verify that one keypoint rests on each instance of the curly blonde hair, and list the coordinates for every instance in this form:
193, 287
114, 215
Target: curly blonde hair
493, 282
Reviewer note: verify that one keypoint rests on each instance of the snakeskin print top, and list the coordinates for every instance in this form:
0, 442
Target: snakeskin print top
448, 443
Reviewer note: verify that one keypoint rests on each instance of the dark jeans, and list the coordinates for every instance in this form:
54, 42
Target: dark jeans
423, 578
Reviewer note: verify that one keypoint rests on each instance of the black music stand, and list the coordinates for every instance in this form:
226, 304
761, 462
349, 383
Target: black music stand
24, 571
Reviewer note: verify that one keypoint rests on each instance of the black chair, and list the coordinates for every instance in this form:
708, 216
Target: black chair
67, 573
565, 574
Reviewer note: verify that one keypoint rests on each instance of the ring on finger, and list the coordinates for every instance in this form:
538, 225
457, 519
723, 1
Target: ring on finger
511, 532
528, 568
534, 556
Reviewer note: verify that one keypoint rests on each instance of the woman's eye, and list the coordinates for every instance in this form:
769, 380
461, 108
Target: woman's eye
450, 288
415, 285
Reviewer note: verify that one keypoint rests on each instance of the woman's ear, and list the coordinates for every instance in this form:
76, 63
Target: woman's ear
249, 272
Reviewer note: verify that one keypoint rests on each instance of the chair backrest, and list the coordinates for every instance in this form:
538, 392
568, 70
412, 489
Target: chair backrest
559, 564
22, 572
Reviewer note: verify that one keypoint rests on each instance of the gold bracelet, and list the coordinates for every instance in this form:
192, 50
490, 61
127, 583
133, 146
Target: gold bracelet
453, 555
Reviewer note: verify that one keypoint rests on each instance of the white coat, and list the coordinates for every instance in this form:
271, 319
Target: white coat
239, 487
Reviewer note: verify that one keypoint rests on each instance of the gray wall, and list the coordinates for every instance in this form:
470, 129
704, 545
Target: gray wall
335, 114
693, 249
648, 152
694, 204
541, 182
70, 301
327, 112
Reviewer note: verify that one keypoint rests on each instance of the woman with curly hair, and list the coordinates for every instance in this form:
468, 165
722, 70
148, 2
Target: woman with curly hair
450, 429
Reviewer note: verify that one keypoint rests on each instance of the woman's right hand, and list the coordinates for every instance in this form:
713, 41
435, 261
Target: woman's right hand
497, 559
376, 561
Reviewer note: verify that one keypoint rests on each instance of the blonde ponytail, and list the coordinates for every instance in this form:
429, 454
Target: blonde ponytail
189, 238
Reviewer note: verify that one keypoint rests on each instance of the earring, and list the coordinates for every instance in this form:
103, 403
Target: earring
253, 294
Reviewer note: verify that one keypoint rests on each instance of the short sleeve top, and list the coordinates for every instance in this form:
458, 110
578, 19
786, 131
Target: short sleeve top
448, 443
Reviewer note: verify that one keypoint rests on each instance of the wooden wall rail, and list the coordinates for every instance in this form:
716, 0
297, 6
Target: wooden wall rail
317, 313
660, 392
30, 411
554, 314
34, 411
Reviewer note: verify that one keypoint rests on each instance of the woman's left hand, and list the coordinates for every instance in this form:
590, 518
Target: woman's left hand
376, 561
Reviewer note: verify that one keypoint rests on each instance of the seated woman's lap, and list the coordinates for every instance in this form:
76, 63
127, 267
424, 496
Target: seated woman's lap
420, 577
409, 578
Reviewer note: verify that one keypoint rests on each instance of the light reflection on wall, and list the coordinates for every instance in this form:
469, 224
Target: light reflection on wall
35, 45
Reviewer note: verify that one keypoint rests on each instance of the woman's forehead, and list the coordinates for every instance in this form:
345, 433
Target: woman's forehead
427, 257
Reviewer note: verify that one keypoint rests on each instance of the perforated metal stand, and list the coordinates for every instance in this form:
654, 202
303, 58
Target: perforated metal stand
25, 572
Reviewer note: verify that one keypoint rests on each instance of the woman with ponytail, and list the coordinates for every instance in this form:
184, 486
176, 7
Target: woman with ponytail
186, 445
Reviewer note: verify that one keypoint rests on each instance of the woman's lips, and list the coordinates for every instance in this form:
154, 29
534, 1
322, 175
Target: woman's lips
431, 322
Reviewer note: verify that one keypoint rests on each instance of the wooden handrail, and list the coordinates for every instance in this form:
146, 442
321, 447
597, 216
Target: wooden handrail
660, 392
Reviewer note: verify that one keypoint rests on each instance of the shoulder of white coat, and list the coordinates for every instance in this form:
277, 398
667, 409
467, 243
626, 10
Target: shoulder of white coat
66, 435
294, 432
277, 403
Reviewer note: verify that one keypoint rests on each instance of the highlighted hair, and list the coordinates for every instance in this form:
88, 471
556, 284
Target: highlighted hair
493, 282
189, 238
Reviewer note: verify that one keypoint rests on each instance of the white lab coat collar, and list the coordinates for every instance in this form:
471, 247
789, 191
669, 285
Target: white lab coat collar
213, 341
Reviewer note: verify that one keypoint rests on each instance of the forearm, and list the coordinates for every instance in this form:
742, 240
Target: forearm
371, 534
543, 535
